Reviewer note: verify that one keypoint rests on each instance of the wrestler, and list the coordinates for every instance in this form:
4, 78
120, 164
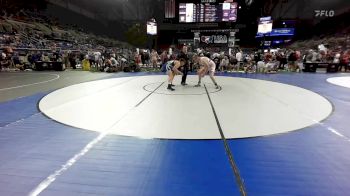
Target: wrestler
206, 66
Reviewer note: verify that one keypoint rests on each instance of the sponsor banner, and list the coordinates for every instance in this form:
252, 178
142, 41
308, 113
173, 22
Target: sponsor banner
279, 32
263, 19
214, 39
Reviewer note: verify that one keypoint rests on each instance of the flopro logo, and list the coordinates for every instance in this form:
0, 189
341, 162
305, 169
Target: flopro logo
324, 13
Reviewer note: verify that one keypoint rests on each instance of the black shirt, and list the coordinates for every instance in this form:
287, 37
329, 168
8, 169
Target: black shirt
182, 55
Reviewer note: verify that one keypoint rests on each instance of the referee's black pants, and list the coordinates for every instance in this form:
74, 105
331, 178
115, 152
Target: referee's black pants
185, 72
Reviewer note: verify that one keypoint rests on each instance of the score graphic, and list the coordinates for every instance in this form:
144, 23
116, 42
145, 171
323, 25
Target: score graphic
207, 12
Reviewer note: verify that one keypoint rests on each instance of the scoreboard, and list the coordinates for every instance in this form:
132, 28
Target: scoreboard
207, 12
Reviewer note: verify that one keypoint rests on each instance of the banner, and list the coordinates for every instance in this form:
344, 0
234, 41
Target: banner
265, 25
151, 28
279, 32
214, 39
282, 31
263, 19
231, 42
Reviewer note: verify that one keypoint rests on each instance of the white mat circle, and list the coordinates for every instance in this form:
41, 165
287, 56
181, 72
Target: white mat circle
245, 108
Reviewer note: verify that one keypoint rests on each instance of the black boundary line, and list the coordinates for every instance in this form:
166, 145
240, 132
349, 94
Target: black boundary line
144, 88
148, 95
235, 169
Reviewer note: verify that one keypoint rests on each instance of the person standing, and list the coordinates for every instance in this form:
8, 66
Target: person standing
184, 55
344, 60
224, 63
154, 58
239, 57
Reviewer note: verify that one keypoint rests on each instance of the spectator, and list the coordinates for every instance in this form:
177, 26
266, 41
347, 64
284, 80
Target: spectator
336, 58
114, 62
344, 61
154, 58
138, 58
72, 60
292, 61
164, 57
86, 63
233, 62
224, 64
239, 57
3, 61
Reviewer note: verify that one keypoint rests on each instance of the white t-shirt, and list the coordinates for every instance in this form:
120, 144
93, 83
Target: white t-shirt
114, 62
239, 56
336, 58
261, 64
224, 62
97, 55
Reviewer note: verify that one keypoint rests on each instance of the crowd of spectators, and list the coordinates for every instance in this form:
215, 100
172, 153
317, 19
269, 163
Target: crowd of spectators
27, 37
253, 61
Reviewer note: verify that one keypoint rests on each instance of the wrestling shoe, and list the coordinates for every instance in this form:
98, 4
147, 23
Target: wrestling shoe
170, 87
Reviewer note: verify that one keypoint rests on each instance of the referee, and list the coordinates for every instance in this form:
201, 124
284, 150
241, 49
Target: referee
184, 55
